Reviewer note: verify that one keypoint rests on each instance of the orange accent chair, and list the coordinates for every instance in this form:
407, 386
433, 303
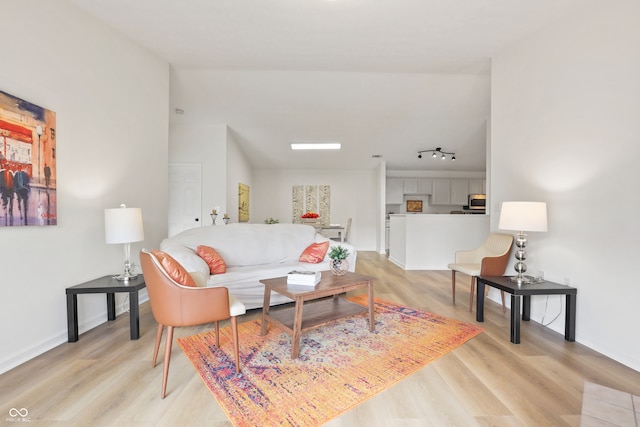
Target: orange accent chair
174, 305
490, 259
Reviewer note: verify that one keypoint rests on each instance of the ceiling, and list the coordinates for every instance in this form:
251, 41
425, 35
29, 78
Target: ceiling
383, 77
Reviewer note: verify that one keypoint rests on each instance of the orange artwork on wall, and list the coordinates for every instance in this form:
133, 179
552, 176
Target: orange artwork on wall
27, 163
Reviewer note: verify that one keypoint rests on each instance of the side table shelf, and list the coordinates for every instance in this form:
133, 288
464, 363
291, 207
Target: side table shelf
110, 286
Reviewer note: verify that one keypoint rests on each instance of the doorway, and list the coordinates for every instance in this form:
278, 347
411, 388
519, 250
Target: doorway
185, 197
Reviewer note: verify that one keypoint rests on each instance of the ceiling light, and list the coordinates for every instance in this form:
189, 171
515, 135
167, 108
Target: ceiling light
315, 146
435, 151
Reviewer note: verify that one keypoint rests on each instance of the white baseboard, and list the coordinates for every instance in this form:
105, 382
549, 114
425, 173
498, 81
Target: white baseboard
59, 338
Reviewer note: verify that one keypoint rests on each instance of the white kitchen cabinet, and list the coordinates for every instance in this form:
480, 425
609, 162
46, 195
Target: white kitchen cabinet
394, 191
410, 185
425, 186
417, 185
441, 192
459, 191
477, 186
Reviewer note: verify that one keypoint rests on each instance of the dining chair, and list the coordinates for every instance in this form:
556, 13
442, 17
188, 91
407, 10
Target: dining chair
174, 305
490, 259
347, 231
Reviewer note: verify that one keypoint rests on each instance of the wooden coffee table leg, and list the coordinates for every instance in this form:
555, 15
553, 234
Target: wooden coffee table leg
372, 320
297, 329
265, 311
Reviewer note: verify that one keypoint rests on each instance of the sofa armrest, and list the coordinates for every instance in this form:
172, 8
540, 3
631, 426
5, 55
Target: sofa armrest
187, 257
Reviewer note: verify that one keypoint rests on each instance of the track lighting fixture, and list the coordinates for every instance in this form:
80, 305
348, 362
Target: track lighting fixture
435, 151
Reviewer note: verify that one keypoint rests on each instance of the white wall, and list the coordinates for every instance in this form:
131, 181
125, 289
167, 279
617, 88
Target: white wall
205, 144
565, 130
238, 171
354, 194
111, 102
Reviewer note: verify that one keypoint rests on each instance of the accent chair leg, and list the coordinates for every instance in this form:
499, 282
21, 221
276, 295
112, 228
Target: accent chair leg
167, 359
472, 290
217, 323
157, 347
236, 350
453, 286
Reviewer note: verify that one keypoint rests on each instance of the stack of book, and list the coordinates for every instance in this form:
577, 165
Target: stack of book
304, 278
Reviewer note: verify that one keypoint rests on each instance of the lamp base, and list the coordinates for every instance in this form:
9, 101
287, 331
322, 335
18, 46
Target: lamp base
523, 280
125, 277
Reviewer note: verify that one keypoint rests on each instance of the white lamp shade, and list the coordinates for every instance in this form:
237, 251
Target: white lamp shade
523, 216
123, 225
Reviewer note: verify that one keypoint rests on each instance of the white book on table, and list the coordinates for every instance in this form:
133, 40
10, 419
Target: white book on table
308, 278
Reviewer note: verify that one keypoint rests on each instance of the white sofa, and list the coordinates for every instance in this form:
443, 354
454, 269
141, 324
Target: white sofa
252, 252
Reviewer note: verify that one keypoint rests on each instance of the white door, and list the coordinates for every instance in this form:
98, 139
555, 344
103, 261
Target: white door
185, 196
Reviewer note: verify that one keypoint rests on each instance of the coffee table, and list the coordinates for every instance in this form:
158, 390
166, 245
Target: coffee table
320, 310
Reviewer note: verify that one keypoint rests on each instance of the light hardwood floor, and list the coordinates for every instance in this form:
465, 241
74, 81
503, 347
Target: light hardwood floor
105, 379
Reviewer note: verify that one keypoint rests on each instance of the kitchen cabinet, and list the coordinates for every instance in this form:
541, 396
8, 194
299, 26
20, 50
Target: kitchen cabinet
417, 186
410, 185
459, 192
394, 191
477, 186
441, 192
425, 186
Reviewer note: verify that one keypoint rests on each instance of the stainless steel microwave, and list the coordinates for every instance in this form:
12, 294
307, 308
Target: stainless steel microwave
477, 201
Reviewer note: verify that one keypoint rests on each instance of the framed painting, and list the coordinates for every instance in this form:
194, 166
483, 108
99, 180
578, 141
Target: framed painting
414, 205
243, 203
27, 163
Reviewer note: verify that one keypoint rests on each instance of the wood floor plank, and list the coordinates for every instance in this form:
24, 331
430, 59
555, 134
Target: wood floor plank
105, 379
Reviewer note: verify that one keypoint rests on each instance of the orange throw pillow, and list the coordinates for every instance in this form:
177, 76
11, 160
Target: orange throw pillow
314, 253
174, 269
213, 259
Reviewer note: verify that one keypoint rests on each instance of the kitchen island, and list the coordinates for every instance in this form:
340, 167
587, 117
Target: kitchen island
430, 241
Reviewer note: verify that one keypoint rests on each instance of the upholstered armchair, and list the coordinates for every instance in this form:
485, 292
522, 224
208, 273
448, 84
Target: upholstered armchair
174, 305
490, 259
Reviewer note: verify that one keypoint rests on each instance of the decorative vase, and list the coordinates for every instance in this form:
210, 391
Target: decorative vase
339, 267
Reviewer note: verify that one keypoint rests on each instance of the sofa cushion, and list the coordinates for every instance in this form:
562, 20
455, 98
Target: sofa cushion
174, 269
314, 253
212, 258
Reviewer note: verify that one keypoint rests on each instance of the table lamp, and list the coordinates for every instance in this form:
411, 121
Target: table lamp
124, 225
521, 217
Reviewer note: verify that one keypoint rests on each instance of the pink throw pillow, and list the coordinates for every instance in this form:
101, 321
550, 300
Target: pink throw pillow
213, 259
314, 253
174, 269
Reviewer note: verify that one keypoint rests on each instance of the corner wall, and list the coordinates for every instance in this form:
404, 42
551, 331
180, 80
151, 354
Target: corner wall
111, 103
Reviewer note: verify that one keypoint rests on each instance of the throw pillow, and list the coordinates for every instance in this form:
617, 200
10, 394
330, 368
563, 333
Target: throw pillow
314, 253
213, 259
174, 269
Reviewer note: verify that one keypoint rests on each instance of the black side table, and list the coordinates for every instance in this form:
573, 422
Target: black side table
524, 292
110, 286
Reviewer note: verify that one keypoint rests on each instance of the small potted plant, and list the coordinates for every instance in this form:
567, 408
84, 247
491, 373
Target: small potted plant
271, 221
339, 264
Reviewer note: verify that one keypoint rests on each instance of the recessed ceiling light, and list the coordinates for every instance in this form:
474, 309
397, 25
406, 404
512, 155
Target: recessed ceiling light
315, 146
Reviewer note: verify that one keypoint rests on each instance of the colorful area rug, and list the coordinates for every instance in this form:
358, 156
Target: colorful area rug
341, 364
